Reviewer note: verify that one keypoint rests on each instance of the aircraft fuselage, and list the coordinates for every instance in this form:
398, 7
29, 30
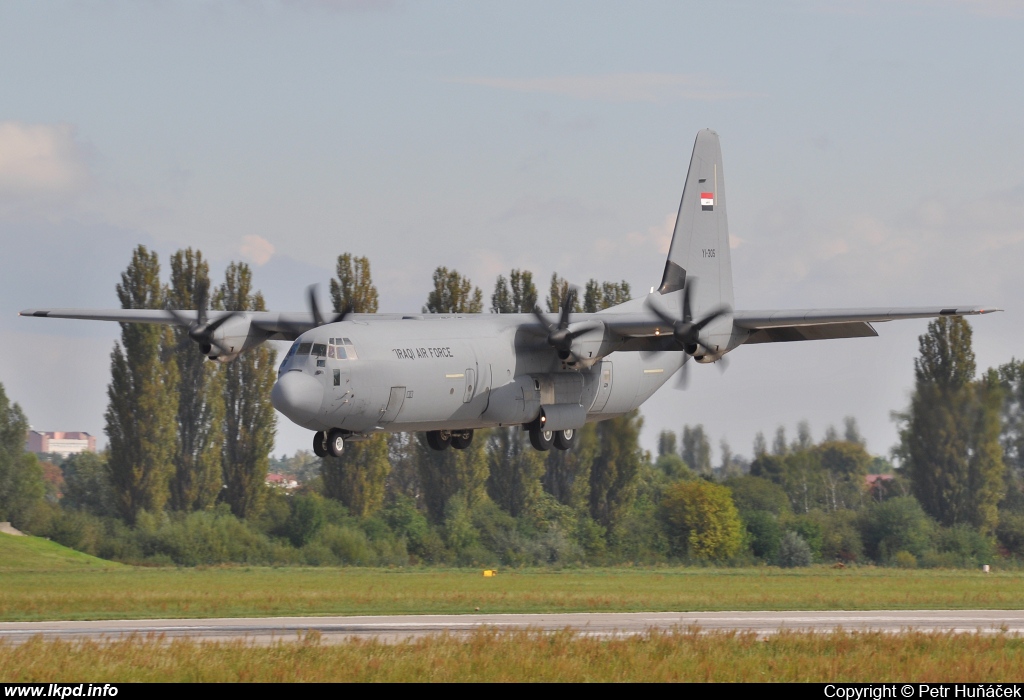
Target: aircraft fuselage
451, 372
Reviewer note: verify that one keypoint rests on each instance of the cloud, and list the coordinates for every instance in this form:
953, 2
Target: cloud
615, 87
257, 249
40, 159
657, 238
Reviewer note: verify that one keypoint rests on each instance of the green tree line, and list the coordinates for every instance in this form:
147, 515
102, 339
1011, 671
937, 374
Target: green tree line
184, 476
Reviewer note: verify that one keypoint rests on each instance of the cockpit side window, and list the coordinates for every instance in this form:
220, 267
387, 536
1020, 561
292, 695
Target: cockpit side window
304, 348
319, 349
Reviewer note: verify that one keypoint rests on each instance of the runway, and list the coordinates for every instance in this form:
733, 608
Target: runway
394, 628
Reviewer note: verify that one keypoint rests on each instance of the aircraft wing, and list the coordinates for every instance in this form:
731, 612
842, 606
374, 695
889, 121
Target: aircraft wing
792, 325
274, 325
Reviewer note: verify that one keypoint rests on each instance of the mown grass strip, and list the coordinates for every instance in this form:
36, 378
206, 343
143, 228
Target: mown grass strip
132, 593
509, 656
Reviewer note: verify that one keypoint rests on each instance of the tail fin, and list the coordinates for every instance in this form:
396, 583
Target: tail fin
700, 242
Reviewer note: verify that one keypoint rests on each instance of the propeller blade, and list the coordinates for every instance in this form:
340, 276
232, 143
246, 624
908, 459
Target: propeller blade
314, 307
715, 313
548, 327
570, 300
683, 377
688, 286
659, 313
214, 325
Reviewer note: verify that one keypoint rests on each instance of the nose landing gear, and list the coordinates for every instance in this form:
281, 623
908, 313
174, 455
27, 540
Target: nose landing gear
329, 444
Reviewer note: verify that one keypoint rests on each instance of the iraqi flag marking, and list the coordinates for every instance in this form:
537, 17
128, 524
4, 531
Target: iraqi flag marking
707, 201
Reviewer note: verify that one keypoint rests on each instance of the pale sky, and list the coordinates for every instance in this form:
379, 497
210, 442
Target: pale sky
872, 153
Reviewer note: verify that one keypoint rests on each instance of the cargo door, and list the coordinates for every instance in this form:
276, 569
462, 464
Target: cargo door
395, 403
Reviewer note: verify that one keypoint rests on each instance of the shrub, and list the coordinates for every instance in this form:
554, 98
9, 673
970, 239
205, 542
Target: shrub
702, 520
793, 551
894, 525
764, 533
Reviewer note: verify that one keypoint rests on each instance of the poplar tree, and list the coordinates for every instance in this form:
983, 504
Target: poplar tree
143, 393
557, 293
446, 474
516, 295
249, 419
453, 294
359, 476
353, 288
950, 441
697, 449
597, 296
514, 478
615, 469
198, 475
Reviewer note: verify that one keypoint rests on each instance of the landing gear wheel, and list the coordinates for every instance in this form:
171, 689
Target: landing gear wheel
320, 444
541, 439
565, 439
336, 443
462, 439
439, 439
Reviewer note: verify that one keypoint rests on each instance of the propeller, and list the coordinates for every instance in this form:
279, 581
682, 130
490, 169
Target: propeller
202, 329
686, 331
558, 335
314, 308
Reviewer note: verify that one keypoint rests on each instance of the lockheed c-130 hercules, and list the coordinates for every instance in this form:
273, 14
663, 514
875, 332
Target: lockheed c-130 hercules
350, 375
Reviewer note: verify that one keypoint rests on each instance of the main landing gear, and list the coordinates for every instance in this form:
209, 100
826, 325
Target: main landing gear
329, 444
440, 439
544, 440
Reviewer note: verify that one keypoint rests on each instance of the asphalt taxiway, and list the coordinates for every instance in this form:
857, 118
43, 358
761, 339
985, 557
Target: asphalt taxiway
393, 628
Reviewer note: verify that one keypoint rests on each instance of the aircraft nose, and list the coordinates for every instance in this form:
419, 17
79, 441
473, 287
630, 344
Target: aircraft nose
298, 396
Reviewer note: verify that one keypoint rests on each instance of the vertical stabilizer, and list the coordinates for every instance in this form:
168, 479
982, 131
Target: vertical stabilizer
700, 242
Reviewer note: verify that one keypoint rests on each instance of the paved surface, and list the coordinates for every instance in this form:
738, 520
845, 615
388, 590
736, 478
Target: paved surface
393, 628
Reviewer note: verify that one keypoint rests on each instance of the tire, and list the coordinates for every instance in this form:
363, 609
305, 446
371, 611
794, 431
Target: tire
336, 443
565, 439
462, 439
320, 444
541, 439
439, 439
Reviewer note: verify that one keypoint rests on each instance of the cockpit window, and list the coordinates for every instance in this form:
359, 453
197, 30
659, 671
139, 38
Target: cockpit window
342, 349
304, 348
319, 349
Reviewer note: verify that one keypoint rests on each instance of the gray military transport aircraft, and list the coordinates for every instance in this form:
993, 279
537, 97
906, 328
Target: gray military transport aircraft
348, 376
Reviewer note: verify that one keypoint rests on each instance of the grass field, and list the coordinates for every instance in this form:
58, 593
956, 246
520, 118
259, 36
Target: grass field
520, 656
42, 581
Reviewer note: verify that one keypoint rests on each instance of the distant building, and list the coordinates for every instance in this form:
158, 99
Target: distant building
281, 481
60, 443
878, 485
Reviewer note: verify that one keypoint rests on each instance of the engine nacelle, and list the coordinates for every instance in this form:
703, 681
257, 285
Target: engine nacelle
232, 338
588, 348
